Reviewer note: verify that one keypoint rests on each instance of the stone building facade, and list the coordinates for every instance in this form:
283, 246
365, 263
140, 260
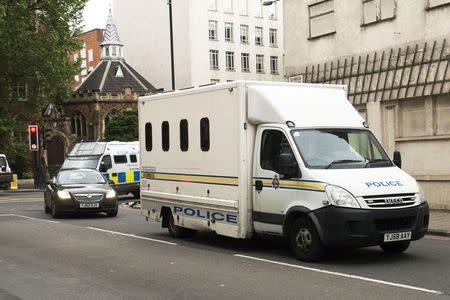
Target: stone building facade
111, 87
393, 56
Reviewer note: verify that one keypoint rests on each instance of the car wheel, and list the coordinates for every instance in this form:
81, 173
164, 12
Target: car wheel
54, 211
305, 241
177, 231
395, 247
112, 213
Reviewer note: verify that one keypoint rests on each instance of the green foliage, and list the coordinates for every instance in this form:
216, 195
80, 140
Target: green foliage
36, 39
17, 156
123, 127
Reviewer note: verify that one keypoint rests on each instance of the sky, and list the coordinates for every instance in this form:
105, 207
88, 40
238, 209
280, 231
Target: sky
95, 14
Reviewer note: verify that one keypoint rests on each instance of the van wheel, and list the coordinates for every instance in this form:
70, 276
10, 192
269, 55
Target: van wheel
177, 231
395, 247
305, 241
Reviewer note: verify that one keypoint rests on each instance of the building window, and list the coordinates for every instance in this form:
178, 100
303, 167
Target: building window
244, 34
274, 65
258, 36
321, 18
413, 116
378, 10
228, 32
228, 6
184, 135
106, 51
229, 59
204, 134
258, 8
273, 39
212, 30
437, 3
83, 51
165, 136
91, 55
272, 11
148, 137
243, 7
259, 63
212, 5
215, 80
133, 158
214, 59
79, 125
245, 62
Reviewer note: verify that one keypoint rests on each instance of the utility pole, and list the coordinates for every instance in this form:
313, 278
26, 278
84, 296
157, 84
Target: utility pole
169, 2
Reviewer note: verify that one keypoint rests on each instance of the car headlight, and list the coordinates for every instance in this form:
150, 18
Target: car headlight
421, 196
340, 197
63, 195
111, 194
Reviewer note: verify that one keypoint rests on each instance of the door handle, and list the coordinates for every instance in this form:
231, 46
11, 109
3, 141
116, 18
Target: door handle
258, 185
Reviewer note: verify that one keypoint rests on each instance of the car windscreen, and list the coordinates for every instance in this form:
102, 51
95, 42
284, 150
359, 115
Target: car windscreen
339, 148
80, 163
80, 177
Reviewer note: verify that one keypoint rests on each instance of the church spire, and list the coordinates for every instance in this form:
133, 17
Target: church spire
112, 46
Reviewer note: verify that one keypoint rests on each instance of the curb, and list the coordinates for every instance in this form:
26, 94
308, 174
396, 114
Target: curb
21, 191
438, 232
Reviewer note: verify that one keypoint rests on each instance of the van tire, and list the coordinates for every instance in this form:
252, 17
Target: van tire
177, 231
305, 241
395, 247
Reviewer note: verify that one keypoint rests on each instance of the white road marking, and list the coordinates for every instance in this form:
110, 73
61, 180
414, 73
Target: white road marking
29, 218
342, 275
20, 200
133, 236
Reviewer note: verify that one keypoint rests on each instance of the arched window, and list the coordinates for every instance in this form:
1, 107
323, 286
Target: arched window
78, 125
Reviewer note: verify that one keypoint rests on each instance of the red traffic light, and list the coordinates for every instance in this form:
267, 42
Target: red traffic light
33, 137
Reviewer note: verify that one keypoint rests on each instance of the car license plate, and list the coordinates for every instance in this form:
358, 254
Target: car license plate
89, 205
397, 236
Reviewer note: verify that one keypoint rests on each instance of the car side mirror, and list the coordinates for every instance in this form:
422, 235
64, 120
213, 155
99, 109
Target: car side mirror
397, 159
288, 165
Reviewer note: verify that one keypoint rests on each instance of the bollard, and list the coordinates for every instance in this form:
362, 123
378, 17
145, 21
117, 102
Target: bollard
14, 182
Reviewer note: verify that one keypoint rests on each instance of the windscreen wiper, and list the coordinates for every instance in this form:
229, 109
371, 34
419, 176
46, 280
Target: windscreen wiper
343, 161
376, 161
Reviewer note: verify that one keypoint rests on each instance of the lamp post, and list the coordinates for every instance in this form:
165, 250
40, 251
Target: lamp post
169, 2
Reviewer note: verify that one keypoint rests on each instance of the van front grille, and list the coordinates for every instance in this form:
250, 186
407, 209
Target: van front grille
387, 201
395, 224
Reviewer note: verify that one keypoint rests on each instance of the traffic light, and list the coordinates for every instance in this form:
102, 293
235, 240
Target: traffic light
46, 137
33, 137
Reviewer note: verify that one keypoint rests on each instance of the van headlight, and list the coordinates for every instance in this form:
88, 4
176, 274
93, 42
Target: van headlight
111, 194
63, 195
421, 196
340, 197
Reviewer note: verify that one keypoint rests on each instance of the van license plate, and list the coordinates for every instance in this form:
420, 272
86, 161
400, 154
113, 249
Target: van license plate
89, 205
398, 236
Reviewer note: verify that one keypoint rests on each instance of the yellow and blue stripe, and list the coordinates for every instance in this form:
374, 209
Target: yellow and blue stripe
123, 177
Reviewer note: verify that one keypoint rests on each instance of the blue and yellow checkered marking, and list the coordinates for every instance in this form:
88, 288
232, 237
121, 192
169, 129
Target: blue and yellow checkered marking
123, 177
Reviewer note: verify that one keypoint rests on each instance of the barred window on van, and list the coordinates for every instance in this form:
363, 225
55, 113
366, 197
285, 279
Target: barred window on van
120, 159
165, 136
133, 158
148, 137
184, 135
204, 134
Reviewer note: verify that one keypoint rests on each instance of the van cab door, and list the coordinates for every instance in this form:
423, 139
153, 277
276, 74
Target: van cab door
274, 185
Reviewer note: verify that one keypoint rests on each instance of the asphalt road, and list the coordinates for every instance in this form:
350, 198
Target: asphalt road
96, 257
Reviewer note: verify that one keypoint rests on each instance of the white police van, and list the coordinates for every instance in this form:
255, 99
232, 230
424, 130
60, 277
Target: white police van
117, 161
6, 176
295, 160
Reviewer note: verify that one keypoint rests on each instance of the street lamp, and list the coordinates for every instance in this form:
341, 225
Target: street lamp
269, 2
169, 2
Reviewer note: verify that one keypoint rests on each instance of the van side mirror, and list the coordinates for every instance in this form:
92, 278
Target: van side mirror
397, 159
288, 166
104, 167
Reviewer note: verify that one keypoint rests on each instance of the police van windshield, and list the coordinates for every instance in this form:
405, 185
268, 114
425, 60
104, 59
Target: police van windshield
80, 163
340, 149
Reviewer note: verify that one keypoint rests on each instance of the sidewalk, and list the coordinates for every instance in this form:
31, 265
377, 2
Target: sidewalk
439, 222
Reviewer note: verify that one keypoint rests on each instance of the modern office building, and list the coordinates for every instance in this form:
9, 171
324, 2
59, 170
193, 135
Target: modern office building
393, 56
214, 40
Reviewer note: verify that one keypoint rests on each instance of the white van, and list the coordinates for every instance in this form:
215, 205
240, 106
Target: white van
6, 176
295, 160
117, 161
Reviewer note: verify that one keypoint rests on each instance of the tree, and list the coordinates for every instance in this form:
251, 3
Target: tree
36, 39
123, 127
